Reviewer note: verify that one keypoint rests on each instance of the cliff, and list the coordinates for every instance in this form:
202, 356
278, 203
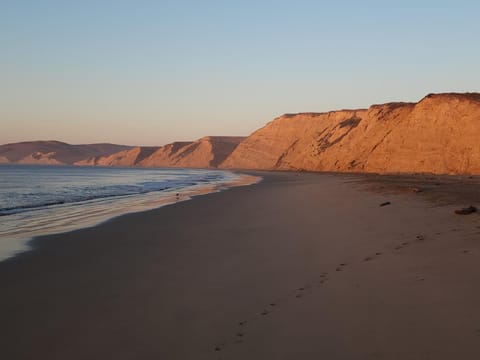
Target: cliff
130, 157
207, 152
439, 134
53, 152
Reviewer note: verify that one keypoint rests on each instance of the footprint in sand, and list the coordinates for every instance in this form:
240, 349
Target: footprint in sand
371, 257
323, 279
299, 295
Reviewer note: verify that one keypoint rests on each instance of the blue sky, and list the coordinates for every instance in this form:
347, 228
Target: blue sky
151, 72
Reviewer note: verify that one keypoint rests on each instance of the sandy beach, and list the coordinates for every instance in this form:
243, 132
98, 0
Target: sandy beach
299, 266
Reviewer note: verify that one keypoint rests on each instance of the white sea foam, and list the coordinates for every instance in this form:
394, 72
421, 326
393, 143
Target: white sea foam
40, 200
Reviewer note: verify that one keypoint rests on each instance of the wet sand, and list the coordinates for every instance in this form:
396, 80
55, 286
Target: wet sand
300, 266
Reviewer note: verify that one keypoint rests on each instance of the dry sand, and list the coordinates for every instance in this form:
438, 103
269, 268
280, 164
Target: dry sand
300, 266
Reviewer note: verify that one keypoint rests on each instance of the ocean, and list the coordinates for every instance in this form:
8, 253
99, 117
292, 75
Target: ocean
38, 200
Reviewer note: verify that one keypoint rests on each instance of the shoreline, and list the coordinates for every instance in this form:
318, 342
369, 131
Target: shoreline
17, 242
346, 277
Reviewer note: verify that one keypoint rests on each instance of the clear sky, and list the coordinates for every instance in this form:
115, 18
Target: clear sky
151, 72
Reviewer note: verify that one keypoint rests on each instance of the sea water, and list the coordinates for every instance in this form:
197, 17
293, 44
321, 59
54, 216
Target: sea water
38, 200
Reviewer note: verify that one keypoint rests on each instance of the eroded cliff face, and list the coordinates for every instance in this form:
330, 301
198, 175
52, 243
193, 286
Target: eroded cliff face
207, 152
440, 134
130, 157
